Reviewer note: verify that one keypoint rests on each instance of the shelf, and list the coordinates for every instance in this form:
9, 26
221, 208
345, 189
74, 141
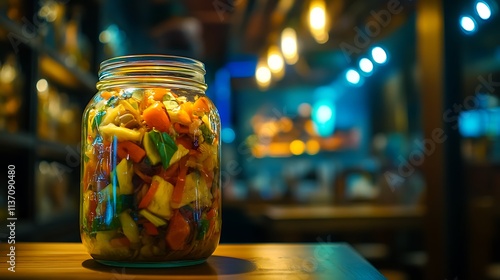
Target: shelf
51, 63
17, 140
54, 68
43, 148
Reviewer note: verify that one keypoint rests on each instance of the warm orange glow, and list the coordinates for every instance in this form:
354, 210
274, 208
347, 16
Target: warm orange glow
275, 60
259, 151
289, 45
286, 124
318, 21
309, 127
312, 147
279, 149
263, 75
332, 144
297, 147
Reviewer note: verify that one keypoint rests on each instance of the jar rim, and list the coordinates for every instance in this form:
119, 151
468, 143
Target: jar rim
156, 59
139, 67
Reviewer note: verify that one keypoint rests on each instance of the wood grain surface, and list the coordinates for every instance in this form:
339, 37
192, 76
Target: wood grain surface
249, 261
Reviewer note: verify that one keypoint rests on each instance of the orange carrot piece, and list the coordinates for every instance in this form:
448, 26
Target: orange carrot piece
159, 93
106, 95
156, 117
128, 148
178, 231
201, 105
146, 200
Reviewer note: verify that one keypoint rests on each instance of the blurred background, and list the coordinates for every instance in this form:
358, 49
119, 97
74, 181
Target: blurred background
375, 123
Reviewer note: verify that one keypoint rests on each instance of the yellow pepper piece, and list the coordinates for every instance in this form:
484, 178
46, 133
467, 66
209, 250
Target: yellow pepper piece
129, 227
196, 189
160, 205
152, 218
181, 151
123, 134
125, 171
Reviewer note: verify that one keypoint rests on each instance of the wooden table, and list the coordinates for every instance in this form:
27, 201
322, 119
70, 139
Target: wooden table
289, 222
255, 261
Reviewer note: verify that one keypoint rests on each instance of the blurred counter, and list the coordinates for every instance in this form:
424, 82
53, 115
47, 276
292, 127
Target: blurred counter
343, 218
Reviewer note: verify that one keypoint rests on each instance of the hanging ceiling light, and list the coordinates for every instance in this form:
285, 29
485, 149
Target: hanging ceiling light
379, 55
468, 24
353, 77
317, 21
483, 10
275, 63
366, 65
275, 60
289, 45
263, 75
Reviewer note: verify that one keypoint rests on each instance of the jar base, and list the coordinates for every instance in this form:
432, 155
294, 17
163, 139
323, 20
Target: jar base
152, 264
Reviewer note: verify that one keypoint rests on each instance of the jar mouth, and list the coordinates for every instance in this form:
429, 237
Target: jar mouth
177, 70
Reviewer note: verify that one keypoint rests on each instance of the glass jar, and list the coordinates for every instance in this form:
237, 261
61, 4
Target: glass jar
150, 168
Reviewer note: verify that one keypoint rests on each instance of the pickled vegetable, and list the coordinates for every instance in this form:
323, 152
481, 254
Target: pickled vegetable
150, 178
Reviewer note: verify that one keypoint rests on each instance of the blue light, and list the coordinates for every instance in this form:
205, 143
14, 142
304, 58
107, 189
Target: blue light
366, 65
227, 135
323, 116
472, 123
352, 76
483, 10
468, 24
241, 69
494, 122
379, 55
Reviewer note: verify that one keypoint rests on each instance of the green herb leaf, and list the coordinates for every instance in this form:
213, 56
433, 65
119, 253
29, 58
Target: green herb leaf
165, 146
